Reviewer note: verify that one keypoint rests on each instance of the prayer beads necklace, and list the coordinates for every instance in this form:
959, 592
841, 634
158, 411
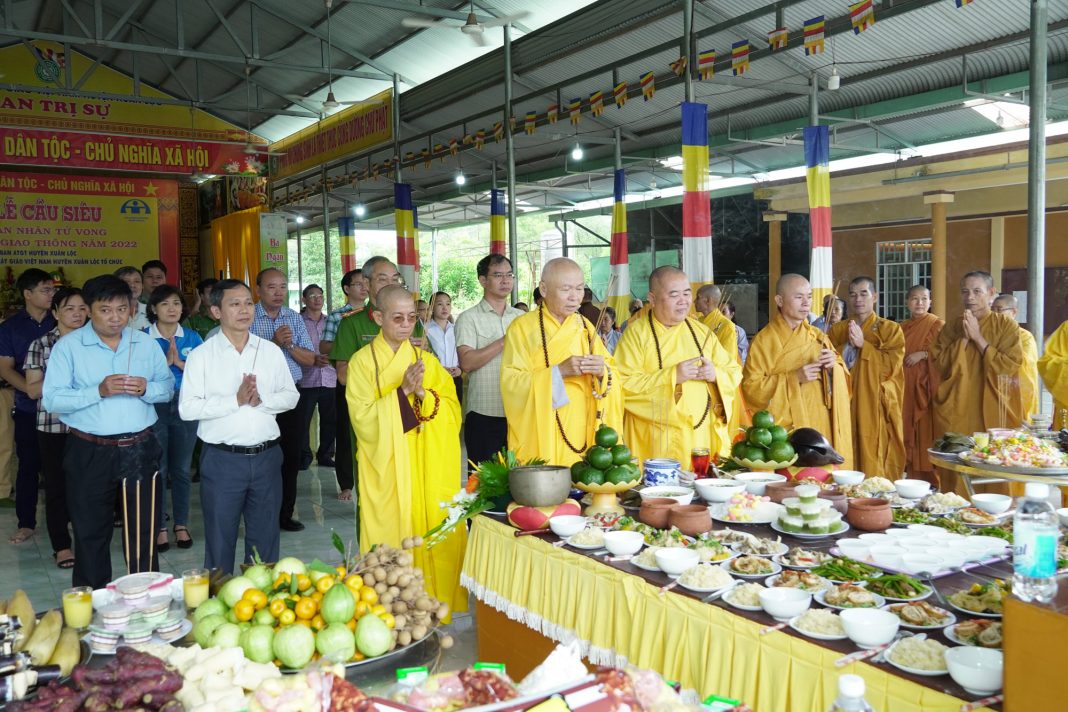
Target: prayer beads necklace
700, 353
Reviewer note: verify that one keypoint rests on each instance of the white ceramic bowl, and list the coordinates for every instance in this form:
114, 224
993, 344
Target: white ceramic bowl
921, 563
992, 503
847, 477
912, 489
869, 627
854, 548
927, 529
872, 539
782, 604
623, 543
888, 556
673, 561
952, 557
918, 545
977, 670
718, 490
900, 535
755, 482
993, 544
1062, 514
973, 552
677, 493
566, 525
946, 538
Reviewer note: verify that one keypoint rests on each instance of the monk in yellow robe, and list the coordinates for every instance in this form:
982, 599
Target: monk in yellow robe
1053, 367
404, 410
556, 374
708, 305
873, 349
921, 381
1006, 304
678, 380
794, 372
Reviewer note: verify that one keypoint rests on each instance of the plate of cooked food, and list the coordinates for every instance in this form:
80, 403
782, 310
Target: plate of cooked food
977, 632
745, 596
982, 599
848, 595
801, 558
919, 655
820, 624
921, 615
842, 569
899, 587
804, 580
758, 546
751, 567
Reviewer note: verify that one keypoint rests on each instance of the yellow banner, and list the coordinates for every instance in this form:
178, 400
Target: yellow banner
346, 132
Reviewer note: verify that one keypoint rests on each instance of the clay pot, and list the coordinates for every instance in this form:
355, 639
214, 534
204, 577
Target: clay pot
778, 491
870, 514
838, 499
690, 519
654, 512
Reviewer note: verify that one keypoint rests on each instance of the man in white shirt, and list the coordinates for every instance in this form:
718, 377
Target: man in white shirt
234, 385
479, 344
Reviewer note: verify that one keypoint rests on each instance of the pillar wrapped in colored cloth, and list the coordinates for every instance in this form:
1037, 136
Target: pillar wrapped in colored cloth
346, 232
818, 179
497, 222
696, 203
618, 295
407, 235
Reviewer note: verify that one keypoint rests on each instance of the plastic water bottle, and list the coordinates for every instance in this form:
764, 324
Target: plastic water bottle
851, 695
1034, 559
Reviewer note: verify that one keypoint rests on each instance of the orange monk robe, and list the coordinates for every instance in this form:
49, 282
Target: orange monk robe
769, 382
1053, 367
1029, 374
404, 476
663, 419
921, 381
534, 430
877, 384
723, 329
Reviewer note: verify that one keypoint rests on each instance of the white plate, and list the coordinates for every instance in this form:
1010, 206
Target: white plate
766, 513
951, 620
738, 548
802, 535
968, 613
821, 598
814, 636
921, 597
951, 634
778, 560
583, 547
739, 606
726, 566
914, 671
635, 564
187, 625
696, 589
772, 580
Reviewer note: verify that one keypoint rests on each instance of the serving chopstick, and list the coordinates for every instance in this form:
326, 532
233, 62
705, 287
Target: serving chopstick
773, 628
986, 701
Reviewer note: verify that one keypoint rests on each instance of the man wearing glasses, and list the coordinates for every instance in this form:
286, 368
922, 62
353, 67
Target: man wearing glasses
479, 344
16, 334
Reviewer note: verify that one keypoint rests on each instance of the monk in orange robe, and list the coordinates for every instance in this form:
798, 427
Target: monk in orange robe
794, 372
921, 381
1053, 366
1006, 304
873, 349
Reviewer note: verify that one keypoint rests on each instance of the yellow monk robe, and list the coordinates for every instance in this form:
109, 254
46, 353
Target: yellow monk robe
656, 423
1053, 367
723, 329
527, 391
921, 381
1029, 374
877, 381
769, 382
405, 476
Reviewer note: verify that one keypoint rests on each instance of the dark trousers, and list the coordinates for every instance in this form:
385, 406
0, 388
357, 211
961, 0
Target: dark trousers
484, 436
26, 482
324, 399
96, 475
458, 381
289, 424
343, 455
52, 446
235, 487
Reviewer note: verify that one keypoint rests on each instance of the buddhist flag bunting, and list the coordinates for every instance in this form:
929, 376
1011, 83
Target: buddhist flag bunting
696, 205
497, 221
648, 83
346, 231
531, 122
454, 146
407, 236
778, 38
960, 3
862, 15
480, 139
551, 113
468, 139
409, 157
706, 63
574, 111
618, 296
814, 34
619, 93
374, 171
439, 150
498, 131
597, 103
426, 158
740, 57
818, 179
679, 66
58, 57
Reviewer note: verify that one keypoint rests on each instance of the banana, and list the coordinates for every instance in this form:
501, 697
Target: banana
20, 606
68, 651
42, 643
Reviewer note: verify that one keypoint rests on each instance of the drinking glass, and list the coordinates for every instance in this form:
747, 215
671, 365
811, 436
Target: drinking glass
78, 607
699, 460
195, 587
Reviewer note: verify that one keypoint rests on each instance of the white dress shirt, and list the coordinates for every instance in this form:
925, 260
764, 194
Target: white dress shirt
212, 376
443, 343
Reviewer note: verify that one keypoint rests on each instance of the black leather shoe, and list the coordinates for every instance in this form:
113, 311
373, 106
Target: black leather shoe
291, 525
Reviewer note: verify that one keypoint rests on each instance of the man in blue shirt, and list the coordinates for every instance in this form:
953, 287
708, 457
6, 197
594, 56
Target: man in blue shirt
16, 334
103, 381
276, 322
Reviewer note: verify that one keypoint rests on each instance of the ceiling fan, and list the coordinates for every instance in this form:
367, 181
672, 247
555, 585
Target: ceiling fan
330, 102
472, 27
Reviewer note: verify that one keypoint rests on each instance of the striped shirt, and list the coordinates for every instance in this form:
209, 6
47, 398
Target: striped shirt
37, 358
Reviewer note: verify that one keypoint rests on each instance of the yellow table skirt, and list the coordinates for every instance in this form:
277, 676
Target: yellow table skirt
620, 619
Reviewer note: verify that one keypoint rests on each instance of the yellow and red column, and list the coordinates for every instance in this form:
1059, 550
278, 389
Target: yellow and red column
407, 235
497, 222
696, 201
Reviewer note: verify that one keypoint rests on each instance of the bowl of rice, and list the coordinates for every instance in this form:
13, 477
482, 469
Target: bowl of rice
819, 623
745, 596
705, 578
919, 655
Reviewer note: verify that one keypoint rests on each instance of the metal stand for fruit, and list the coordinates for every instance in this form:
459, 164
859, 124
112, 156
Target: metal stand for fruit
377, 675
603, 497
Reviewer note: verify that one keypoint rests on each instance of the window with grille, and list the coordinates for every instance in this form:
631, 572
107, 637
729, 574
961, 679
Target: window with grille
899, 265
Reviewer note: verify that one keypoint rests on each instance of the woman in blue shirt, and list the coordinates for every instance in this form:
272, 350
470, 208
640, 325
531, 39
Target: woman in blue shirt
177, 437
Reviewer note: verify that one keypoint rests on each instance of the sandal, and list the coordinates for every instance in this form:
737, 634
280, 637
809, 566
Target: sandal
344, 496
21, 535
186, 543
64, 558
164, 545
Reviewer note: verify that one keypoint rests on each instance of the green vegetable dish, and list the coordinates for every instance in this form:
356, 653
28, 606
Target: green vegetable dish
845, 569
953, 525
898, 586
906, 515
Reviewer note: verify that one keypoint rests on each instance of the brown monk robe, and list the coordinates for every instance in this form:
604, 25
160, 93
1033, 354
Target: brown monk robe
784, 372
873, 349
978, 358
921, 382
1006, 304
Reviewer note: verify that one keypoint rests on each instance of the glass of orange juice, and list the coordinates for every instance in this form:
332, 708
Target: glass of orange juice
78, 607
195, 587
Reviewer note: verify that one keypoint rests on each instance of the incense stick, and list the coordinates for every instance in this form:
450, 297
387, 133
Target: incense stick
126, 525
152, 522
607, 293
138, 509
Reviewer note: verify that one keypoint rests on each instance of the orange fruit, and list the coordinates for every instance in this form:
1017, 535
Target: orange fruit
257, 597
351, 624
316, 596
317, 623
378, 609
323, 585
303, 583
388, 619
277, 606
369, 594
244, 610
341, 571
361, 608
287, 617
306, 608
